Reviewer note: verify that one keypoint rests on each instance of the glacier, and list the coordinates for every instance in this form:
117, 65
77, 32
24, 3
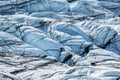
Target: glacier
59, 40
